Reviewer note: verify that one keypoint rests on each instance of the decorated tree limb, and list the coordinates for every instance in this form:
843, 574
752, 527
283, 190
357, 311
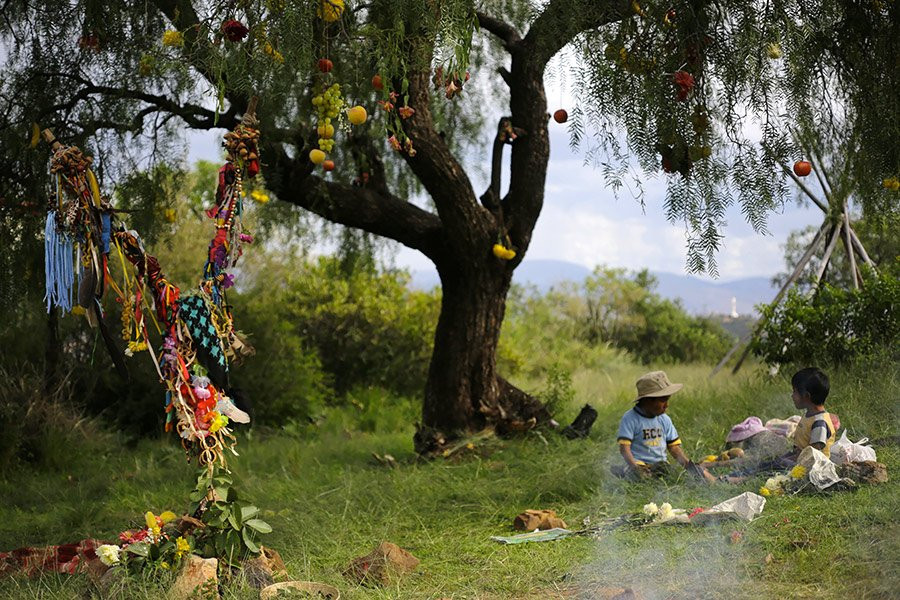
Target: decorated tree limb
198, 331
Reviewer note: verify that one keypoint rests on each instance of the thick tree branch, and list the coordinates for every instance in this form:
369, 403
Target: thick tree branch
195, 116
557, 25
370, 209
444, 178
503, 30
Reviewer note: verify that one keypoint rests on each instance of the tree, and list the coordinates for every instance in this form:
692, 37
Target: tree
677, 77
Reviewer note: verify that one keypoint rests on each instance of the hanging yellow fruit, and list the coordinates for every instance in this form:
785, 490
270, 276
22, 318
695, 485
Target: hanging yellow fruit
357, 115
331, 10
326, 130
316, 156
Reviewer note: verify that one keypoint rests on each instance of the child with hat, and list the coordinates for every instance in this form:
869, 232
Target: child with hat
646, 432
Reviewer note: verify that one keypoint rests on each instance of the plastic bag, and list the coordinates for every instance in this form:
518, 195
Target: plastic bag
822, 472
745, 507
845, 451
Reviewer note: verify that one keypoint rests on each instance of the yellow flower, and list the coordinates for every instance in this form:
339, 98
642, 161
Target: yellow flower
152, 525
169, 214
273, 53
764, 491
260, 196
502, 252
181, 547
891, 183
168, 516
136, 346
218, 422
331, 10
710, 458
173, 38
798, 472
164, 565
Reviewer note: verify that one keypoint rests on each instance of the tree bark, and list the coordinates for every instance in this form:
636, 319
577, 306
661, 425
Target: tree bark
464, 393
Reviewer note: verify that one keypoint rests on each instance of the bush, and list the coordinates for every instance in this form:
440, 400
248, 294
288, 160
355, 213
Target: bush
834, 326
362, 328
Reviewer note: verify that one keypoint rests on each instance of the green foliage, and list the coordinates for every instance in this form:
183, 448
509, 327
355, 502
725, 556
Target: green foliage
367, 327
232, 525
559, 391
834, 326
609, 309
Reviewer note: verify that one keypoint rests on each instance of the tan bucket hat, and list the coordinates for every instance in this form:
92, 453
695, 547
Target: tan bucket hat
656, 384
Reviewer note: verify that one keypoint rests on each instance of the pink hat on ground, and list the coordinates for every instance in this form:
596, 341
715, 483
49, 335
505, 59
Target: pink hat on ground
746, 428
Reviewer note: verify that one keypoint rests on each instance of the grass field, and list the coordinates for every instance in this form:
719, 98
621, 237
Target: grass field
330, 501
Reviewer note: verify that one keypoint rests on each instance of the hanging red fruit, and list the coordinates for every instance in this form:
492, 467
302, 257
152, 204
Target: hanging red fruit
325, 65
234, 30
802, 168
685, 83
328, 165
561, 116
376, 83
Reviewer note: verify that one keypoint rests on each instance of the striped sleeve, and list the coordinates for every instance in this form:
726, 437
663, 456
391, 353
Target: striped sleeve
819, 432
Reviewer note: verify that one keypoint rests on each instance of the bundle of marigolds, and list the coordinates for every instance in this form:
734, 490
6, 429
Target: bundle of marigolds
779, 484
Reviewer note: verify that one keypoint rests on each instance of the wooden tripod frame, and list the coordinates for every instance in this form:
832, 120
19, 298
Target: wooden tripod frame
836, 226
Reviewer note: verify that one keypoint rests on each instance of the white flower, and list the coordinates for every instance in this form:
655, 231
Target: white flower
650, 509
665, 512
108, 554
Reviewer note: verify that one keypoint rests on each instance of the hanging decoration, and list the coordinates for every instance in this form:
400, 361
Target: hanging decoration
198, 335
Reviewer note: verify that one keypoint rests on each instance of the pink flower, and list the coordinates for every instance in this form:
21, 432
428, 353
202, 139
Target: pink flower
387, 106
395, 144
246, 238
393, 96
201, 393
406, 112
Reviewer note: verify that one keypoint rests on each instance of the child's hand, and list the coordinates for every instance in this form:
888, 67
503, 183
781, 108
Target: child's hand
642, 471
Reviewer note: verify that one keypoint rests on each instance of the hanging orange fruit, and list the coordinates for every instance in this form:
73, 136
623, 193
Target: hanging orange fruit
802, 168
328, 165
376, 83
325, 65
561, 116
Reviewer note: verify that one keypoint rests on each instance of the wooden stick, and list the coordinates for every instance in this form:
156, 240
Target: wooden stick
826, 189
50, 139
848, 246
805, 189
835, 234
860, 249
801, 264
249, 118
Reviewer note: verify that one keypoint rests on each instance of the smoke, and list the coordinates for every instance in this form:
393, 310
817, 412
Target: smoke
666, 562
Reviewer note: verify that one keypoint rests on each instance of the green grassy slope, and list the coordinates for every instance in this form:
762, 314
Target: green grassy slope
329, 501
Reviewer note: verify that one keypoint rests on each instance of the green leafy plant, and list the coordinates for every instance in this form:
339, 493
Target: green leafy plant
833, 326
232, 525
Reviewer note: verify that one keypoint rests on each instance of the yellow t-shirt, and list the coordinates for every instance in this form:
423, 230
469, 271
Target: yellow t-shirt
818, 428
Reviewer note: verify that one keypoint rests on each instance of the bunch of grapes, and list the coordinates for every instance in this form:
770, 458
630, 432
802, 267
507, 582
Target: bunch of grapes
328, 106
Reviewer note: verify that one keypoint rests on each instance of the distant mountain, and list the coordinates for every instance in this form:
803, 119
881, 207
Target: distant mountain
699, 297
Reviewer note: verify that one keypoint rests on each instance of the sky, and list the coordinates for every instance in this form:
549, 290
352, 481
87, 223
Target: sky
584, 223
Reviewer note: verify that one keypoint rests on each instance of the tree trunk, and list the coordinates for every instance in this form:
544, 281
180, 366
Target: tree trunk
463, 393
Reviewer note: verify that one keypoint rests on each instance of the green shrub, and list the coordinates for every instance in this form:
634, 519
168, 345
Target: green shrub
833, 326
362, 328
